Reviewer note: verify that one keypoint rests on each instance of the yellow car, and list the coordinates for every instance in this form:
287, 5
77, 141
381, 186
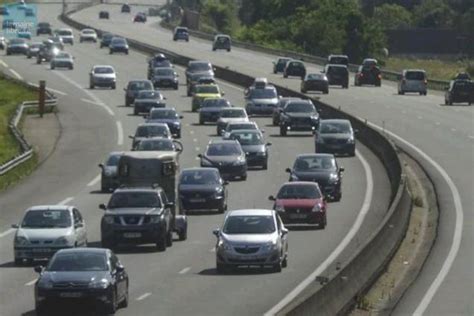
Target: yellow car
204, 91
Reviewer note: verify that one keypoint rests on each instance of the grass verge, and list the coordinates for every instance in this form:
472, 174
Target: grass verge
18, 173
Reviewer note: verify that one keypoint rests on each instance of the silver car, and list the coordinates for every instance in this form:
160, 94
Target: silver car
148, 130
413, 80
102, 76
66, 34
46, 229
251, 237
62, 60
261, 101
88, 35
228, 115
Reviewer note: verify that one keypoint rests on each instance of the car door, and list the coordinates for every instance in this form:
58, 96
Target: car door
79, 228
120, 277
164, 201
283, 236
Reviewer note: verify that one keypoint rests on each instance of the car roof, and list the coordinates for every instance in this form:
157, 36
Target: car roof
84, 249
49, 208
153, 124
250, 212
103, 66
301, 183
162, 109
223, 141
199, 62
336, 121
200, 169
414, 70
242, 122
336, 65
137, 189
315, 155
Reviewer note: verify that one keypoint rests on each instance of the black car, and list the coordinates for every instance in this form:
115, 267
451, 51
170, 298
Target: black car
337, 75
125, 8
320, 168
106, 39
147, 100
140, 17
118, 45
47, 51
138, 216
165, 77
202, 189
103, 15
335, 136
227, 156
181, 33
222, 41
134, 87
338, 60
280, 64
315, 82
168, 116
109, 179
158, 61
459, 91
211, 108
299, 116
370, 75
294, 68
254, 146
277, 110
17, 46
81, 274
44, 28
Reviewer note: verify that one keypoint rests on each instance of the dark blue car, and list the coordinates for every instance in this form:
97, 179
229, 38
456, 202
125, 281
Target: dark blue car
168, 116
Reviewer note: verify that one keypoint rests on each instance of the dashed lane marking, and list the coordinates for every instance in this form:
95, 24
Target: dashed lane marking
119, 133
144, 296
94, 181
31, 282
16, 74
66, 200
185, 270
7, 232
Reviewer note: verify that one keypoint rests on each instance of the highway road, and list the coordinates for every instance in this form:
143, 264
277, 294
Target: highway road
182, 280
440, 137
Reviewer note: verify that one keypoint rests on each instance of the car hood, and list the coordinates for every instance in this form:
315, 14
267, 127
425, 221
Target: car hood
211, 109
204, 188
253, 148
43, 233
297, 202
132, 211
157, 101
74, 276
168, 77
167, 121
317, 176
222, 159
249, 238
207, 95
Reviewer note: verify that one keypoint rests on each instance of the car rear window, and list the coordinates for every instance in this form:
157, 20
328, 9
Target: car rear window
151, 131
207, 89
337, 70
229, 149
415, 75
140, 85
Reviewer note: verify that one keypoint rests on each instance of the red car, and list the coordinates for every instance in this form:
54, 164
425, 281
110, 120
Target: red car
301, 202
140, 17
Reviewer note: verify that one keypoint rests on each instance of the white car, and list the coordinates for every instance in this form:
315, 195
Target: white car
62, 60
66, 34
102, 76
239, 125
46, 229
88, 35
227, 115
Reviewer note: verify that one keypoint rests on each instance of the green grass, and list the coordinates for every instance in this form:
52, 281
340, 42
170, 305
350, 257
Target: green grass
436, 69
18, 173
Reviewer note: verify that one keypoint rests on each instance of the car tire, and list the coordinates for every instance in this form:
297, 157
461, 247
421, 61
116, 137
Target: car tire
135, 111
127, 103
110, 52
338, 197
282, 131
304, 91
71, 67
28, 56
111, 307
124, 302
265, 165
277, 267
91, 86
52, 67
221, 208
169, 239
222, 268
38, 61
183, 235
126, 52
40, 309
18, 261
161, 243
284, 262
228, 50
326, 92
244, 177
107, 243
323, 224
114, 86
285, 75
346, 86
201, 122
176, 87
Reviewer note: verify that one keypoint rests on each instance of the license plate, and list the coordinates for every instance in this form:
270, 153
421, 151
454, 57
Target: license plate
71, 294
197, 200
41, 250
297, 216
132, 235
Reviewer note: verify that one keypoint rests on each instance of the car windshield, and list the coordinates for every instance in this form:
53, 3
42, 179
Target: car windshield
140, 85
163, 114
103, 70
118, 41
222, 39
207, 89
88, 32
134, 199
164, 72
237, 126
151, 131
229, 149
199, 177
160, 63
334, 128
464, 86
107, 36
315, 77
247, 138
296, 65
263, 93
44, 25
156, 145
63, 56
314, 163
181, 31
283, 61
235, 225
78, 261
35, 45
415, 75
338, 60
194, 67
47, 219
64, 32
15, 41
232, 113
149, 94
299, 107
113, 160
299, 192
215, 103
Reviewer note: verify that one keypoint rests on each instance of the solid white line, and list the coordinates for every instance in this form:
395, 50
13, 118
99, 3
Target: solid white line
7, 232
105, 107
458, 229
212, 249
144, 296
195, 140
94, 181
198, 149
119, 133
191, 132
4, 64
49, 89
66, 200
342, 245
185, 270
16, 74
31, 282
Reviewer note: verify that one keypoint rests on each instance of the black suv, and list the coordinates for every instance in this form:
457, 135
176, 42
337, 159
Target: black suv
459, 91
44, 28
139, 216
369, 74
299, 115
337, 75
294, 68
103, 15
181, 33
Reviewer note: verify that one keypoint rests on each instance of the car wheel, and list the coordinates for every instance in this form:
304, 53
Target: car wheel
52, 67
103, 188
338, 197
114, 86
221, 208
284, 262
277, 267
222, 268
124, 302
169, 239
282, 131
71, 67
201, 122
111, 307
135, 111
91, 86
18, 261
445, 102
110, 52
28, 56
228, 50
303, 91
183, 235
265, 165
126, 53
244, 177
40, 309
323, 224
346, 86
127, 103
161, 242
176, 87
285, 76
325, 91
274, 71
108, 243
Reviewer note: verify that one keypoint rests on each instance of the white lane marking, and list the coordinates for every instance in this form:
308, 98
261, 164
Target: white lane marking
191, 132
458, 229
4, 64
420, 117
342, 245
119, 133
198, 149
16, 74
197, 158
31, 282
66, 200
94, 181
453, 129
104, 106
49, 89
195, 140
185, 270
7, 232
144, 296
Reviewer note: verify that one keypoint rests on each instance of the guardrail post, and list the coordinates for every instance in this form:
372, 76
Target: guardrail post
42, 96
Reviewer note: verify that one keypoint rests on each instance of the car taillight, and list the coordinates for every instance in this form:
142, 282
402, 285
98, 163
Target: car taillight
379, 76
404, 80
361, 75
425, 81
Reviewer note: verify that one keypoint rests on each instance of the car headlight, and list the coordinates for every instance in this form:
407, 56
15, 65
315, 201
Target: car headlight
177, 124
223, 245
99, 284
239, 161
155, 219
333, 178
315, 118
62, 241
270, 246
317, 208
350, 140
261, 153
108, 219
47, 284
279, 208
21, 241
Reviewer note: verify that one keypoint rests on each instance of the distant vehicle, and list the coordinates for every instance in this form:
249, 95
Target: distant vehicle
147, 130
459, 91
17, 46
299, 116
66, 34
335, 136
413, 80
109, 172
181, 33
338, 60
202, 189
104, 15
97, 272
46, 229
198, 79
134, 87
280, 64
106, 39
62, 60
140, 17
118, 45
168, 116
222, 41
254, 146
125, 8
211, 108
261, 101
58, 41
159, 144
227, 156
47, 51
197, 69
147, 100
301, 202
294, 68
204, 91
368, 75
43, 28
258, 83
277, 110
315, 82
462, 76
337, 75
370, 62
251, 237
238, 126
165, 77
102, 76
88, 35
157, 61
322, 169
227, 115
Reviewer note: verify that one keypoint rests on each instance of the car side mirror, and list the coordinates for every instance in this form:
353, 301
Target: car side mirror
216, 232
274, 62
284, 231
124, 89
341, 169
271, 198
356, 131
226, 182
199, 155
130, 136
39, 269
170, 204
101, 165
269, 144
16, 226
181, 116
164, 98
288, 170
102, 206
119, 268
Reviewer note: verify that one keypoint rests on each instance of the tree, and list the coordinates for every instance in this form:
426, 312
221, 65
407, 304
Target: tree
392, 16
434, 14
